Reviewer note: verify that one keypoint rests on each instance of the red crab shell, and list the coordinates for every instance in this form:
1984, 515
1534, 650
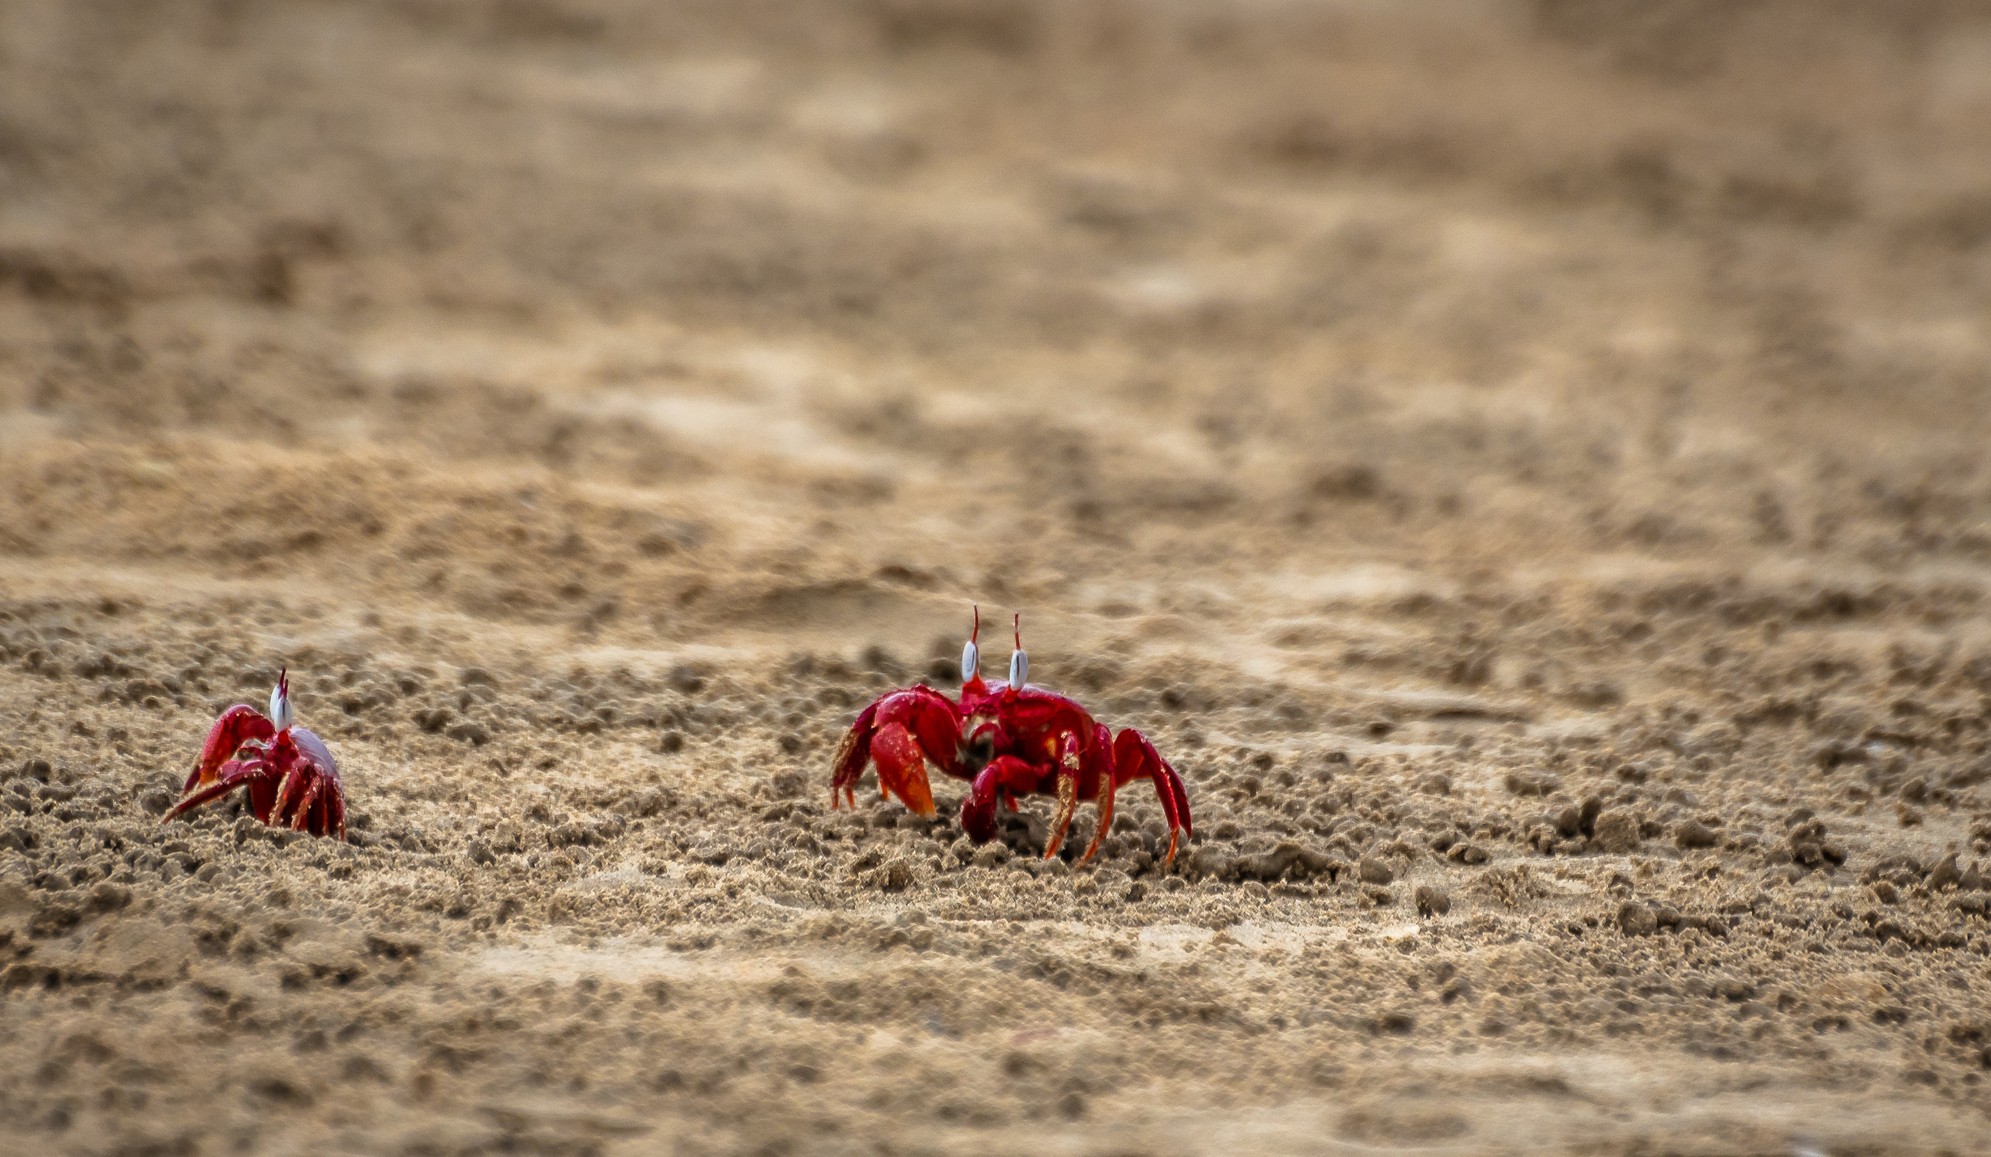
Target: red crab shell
1008, 739
292, 779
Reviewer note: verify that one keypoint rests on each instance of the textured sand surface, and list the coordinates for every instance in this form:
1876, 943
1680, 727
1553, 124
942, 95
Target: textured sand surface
1524, 463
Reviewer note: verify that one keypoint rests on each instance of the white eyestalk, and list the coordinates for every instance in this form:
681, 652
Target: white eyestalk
281, 716
1019, 669
971, 655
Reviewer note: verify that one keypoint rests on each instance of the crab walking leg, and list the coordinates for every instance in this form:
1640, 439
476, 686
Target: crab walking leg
324, 772
1105, 805
1135, 758
902, 768
1071, 763
290, 781
1062, 821
851, 758
213, 791
303, 813
1100, 770
262, 797
335, 814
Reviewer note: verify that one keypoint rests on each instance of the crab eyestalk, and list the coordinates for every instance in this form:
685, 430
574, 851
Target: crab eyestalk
971, 655
281, 715
1019, 663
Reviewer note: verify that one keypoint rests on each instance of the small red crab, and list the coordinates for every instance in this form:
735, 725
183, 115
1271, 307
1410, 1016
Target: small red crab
289, 772
1007, 739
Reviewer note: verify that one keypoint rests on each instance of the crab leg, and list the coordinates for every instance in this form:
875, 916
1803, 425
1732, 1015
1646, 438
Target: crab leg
291, 779
1071, 764
851, 758
1107, 788
262, 797
1062, 821
221, 786
1104, 786
1135, 758
305, 805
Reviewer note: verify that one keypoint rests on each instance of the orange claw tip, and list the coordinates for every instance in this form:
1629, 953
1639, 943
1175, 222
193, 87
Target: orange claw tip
917, 795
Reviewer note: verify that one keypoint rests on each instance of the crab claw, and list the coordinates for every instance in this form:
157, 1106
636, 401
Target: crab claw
902, 768
978, 818
237, 725
1005, 775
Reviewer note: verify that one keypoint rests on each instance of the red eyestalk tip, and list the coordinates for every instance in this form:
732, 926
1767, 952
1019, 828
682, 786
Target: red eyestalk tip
281, 715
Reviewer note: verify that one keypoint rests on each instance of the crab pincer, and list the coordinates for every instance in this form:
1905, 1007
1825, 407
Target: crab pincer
290, 774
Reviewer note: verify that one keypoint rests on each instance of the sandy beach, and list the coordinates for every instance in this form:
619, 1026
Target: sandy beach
1522, 463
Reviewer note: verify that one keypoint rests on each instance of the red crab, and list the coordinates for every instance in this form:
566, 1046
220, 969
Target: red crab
289, 772
1007, 739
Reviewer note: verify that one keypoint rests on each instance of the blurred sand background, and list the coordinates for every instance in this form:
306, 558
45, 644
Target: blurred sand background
1523, 462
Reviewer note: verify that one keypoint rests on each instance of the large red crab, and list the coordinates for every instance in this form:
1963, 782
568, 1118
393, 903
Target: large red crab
290, 774
1007, 739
